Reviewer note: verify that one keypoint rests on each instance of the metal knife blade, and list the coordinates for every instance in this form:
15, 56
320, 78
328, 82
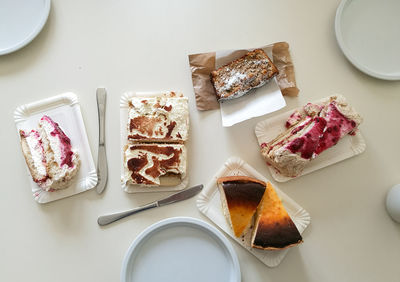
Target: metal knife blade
180, 196
102, 172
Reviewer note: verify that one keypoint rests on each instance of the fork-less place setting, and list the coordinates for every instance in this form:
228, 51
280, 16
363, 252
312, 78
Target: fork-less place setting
199, 141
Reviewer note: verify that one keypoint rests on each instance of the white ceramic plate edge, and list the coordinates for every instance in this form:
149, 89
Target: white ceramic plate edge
33, 34
175, 220
346, 51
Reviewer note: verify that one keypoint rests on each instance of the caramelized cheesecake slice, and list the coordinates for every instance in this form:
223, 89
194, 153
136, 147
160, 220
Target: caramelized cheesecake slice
155, 164
274, 229
158, 119
240, 196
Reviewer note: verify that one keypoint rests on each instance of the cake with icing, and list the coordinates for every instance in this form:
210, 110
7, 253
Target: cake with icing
49, 155
158, 119
311, 131
154, 164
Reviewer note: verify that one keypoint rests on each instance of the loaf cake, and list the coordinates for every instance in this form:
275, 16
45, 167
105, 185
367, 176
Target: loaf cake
312, 130
158, 119
240, 76
240, 196
274, 229
154, 164
49, 155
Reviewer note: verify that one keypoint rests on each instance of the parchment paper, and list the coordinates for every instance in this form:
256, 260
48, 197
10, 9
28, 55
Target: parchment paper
202, 64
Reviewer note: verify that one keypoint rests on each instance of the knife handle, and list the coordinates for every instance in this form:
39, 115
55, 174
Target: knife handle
101, 108
107, 219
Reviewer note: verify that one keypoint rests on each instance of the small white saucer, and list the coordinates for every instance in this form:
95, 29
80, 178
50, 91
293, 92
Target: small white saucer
20, 22
368, 34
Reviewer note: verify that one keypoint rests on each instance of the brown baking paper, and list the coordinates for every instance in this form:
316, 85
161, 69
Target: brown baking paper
202, 64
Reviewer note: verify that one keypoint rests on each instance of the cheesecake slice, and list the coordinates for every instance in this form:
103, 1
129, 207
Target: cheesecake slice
274, 229
240, 196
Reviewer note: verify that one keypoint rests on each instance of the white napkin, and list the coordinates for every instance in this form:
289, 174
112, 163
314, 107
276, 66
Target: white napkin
260, 101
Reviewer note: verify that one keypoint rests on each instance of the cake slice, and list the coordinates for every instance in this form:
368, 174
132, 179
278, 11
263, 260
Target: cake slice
35, 158
158, 119
49, 155
235, 79
312, 130
240, 196
154, 164
274, 229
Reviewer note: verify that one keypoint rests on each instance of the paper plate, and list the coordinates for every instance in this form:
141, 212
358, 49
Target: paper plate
20, 22
65, 109
368, 34
181, 249
209, 203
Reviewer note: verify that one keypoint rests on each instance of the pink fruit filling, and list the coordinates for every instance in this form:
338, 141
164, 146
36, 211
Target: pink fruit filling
306, 144
337, 126
65, 142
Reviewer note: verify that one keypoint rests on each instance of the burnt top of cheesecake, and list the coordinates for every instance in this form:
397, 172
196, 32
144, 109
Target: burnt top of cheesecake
242, 190
274, 227
241, 196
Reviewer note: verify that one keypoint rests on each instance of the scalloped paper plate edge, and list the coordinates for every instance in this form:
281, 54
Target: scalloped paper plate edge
23, 113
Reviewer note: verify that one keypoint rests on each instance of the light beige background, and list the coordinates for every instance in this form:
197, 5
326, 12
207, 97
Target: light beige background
143, 46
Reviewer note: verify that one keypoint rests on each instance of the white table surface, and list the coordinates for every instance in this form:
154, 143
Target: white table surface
143, 46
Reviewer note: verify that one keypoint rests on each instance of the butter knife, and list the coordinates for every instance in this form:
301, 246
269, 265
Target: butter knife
102, 172
177, 197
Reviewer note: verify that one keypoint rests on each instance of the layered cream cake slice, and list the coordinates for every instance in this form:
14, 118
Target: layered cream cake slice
49, 155
240, 196
34, 154
292, 150
158, 119
154, 164
311, 131
274, 229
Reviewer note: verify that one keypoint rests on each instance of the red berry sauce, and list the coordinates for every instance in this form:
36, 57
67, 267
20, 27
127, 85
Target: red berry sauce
307, 143
65, 142
337, 126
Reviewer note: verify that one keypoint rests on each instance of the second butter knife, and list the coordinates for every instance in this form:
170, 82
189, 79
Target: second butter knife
177, 197
102, 172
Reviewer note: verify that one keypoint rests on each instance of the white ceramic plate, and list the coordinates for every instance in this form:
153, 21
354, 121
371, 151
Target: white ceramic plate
20, 22
124, 111
65, 110
209, 203
368, 34
349, 146
180, 249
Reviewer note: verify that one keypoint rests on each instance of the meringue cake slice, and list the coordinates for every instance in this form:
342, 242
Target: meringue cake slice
274, 229
240, 196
